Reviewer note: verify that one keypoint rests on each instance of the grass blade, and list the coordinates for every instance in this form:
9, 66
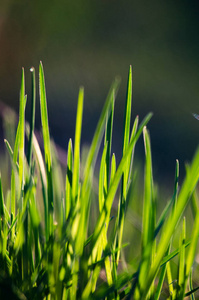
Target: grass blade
32, 120
68, 201
47, 151
76, 168
22, 130
181, 270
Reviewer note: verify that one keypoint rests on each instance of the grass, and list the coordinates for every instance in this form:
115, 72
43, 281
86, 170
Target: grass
49, 246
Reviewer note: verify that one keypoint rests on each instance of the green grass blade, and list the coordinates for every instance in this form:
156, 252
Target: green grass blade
181, 270
68, 201
47, 150
32, 120
108, 139
147, 208
127, 116
76, 168
113, 167
22, 130
44, 118
175, 194
14, 175
42, 173
102, 190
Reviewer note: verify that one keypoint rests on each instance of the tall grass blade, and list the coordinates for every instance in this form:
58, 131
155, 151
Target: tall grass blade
32, 120
47, 151
76, 167
22, 130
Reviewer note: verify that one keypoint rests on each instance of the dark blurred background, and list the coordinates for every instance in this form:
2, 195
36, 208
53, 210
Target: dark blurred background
90, 42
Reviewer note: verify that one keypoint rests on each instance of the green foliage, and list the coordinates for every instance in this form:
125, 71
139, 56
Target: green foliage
51, 249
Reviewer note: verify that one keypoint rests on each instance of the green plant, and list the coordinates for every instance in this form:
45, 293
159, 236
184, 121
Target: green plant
49, 250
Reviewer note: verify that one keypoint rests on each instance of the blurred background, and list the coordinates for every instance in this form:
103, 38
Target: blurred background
89, 43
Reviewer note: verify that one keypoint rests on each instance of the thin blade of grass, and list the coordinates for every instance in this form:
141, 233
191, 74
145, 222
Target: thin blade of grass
181, 270
22, 130
47, 151
44, 118
108, 139
147, 208
76, 167
68, 201
32, 119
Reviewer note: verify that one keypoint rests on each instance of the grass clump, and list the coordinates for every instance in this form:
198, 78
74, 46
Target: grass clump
48, 247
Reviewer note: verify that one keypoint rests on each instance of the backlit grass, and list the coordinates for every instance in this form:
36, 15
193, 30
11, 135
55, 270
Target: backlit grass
48, 247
